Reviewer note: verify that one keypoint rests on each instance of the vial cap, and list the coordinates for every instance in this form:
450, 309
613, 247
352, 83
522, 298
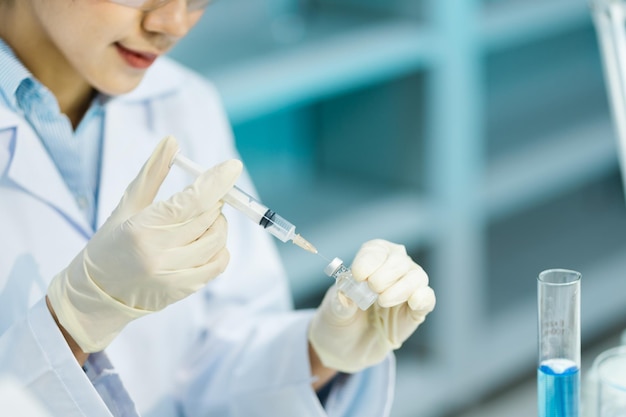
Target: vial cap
332, 267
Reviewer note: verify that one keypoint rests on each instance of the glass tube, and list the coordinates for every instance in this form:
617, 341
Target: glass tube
594, 383
359, 292
609, 17
558, 372
611, 374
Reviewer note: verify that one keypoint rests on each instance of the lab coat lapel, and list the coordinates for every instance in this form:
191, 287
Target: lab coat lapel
29, 167
130, 133
128, 142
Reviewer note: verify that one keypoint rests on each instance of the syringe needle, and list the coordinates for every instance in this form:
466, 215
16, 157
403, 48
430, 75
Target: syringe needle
323, 257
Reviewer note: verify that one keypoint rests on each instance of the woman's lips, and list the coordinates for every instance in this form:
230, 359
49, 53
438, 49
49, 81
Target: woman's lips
139, 60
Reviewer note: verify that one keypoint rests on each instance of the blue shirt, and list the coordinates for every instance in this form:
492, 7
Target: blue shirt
76, 153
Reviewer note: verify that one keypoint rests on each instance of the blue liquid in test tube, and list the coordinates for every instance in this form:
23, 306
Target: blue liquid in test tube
558, 388
558, 369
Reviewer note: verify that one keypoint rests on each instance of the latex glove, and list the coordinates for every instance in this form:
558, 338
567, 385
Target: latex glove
147, 254
349, 339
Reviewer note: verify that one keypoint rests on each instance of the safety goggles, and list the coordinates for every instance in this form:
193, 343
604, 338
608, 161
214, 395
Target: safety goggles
148, 5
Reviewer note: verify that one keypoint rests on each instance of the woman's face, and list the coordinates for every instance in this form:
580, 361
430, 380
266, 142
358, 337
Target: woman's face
109, 46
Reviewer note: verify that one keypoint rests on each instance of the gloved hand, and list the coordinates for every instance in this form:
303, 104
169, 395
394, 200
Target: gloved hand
348, 339
147, 254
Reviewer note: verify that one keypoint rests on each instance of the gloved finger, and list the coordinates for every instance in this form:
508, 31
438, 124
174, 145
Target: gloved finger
395, 267
422, 302
371, 256
337, 308
203, 194
201, 250
176, 234
345, 300
143, 189
183, 283
194, 229
403, 289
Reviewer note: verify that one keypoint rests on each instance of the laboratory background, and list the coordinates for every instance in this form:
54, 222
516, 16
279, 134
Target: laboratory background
475, 132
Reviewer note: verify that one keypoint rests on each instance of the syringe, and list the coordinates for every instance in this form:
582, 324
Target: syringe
257, 212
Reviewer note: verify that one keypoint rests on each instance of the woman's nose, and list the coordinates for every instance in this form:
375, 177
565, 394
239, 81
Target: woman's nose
171, 19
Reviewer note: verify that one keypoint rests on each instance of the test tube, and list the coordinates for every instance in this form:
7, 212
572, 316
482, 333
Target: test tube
558, 372
611, 373
359, 292
609, 364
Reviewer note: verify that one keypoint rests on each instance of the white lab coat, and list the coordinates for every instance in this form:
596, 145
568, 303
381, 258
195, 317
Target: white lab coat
232, 349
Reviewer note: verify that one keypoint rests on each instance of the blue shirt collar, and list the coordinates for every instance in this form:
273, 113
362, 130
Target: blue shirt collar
12, 74
165, 78
18, 86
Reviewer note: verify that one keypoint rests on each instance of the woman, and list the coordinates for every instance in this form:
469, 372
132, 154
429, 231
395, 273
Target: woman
86, 96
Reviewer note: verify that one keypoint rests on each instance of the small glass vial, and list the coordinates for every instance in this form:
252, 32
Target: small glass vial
359, 292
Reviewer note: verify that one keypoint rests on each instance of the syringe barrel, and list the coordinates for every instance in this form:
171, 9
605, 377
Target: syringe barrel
260, 214
245, 203
279, 227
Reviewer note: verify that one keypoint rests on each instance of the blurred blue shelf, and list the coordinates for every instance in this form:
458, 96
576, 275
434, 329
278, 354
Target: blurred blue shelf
319, 69
555, 164
505, 24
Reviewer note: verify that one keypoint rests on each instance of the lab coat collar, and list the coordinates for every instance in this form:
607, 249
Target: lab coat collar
26, 163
